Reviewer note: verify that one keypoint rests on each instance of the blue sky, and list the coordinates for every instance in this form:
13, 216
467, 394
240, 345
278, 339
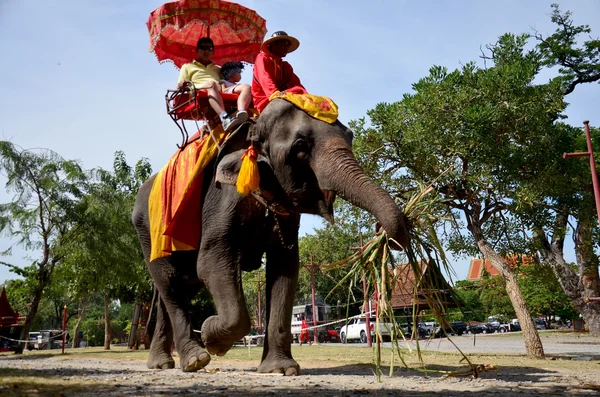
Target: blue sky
76, 76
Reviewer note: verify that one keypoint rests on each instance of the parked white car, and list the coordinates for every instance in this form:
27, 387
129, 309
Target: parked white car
356, 329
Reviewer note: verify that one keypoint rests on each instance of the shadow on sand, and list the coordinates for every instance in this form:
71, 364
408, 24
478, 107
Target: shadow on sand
245, 382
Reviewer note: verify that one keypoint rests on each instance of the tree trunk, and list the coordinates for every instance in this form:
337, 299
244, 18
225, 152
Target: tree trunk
80, 314
568, 280
576, 286
33, 309
148, 332
533, 343
587, 262
133, 334
106, 323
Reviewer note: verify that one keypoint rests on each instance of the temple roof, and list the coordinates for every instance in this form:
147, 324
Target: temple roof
429, 282
8, 317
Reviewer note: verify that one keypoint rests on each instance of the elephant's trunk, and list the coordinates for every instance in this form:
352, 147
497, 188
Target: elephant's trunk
337, 170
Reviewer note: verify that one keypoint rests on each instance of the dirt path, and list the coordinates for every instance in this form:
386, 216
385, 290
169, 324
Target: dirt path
331, 370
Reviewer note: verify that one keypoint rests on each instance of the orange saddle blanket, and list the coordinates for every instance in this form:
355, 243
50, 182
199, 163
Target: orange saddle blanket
174, 205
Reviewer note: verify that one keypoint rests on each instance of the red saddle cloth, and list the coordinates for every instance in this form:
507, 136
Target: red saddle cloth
181, 105
187, 109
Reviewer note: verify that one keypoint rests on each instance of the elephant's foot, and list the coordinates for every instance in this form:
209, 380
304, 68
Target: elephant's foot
217, 348
194, 360
214, 339
282, 365
160, 361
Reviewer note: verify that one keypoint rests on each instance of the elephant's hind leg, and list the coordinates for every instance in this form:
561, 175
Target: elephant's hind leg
192, 356
176, 291
160, 349
176, 280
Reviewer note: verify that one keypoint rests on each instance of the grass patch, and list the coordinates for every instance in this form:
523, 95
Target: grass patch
339, 355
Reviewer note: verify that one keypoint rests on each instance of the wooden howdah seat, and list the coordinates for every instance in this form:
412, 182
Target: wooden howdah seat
188, 103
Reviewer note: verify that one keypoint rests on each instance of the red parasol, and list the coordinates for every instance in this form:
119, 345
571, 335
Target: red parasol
175, 28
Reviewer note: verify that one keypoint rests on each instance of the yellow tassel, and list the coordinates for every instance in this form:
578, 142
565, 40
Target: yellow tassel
248, 178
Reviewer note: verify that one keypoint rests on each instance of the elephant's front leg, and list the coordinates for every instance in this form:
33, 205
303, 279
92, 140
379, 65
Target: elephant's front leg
222, 276
282, 279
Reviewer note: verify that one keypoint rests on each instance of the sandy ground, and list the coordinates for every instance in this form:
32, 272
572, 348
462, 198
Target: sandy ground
327, 370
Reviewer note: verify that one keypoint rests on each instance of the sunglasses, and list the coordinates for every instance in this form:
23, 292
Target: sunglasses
206, 47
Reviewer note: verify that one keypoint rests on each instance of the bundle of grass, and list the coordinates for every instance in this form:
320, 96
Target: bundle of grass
377, 263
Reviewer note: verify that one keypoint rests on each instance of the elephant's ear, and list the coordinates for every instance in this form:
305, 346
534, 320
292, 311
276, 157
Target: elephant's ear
229, 160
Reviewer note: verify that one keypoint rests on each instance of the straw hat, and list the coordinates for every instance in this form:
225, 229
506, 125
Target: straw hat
280, 35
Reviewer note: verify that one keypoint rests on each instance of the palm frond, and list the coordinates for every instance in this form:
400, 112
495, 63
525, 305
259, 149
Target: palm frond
375, 262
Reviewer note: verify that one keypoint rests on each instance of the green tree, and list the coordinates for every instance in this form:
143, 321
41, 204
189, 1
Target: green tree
494, 298
45, 209
553, 204
50, 308
251, 286
469, 292
19, 292
327, 246
543, 293
577, 64
108, 258
469, 131
490, 140
92, 324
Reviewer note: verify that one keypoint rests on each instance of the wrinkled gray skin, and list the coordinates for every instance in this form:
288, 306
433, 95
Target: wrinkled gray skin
303, 164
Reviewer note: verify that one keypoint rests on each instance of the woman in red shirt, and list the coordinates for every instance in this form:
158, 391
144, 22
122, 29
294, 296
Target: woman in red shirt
304, 334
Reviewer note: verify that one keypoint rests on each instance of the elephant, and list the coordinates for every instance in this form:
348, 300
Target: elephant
303, 164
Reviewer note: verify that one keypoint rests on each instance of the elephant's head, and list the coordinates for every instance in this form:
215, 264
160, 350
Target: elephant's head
305, 162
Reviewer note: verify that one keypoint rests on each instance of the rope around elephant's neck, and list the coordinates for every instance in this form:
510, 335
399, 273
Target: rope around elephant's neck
289, 247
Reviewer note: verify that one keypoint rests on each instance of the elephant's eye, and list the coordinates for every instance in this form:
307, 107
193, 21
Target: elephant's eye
301, 149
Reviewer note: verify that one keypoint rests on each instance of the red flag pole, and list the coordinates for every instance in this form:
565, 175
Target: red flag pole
64, 335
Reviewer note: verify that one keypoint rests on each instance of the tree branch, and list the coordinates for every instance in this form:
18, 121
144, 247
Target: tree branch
559, 229
579, 80
492, 209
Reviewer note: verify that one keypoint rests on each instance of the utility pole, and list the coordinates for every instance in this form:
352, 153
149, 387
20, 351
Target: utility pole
259, 283
590, 154
312, 267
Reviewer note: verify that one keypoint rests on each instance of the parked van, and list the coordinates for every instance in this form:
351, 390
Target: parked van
34, 341
306, 312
